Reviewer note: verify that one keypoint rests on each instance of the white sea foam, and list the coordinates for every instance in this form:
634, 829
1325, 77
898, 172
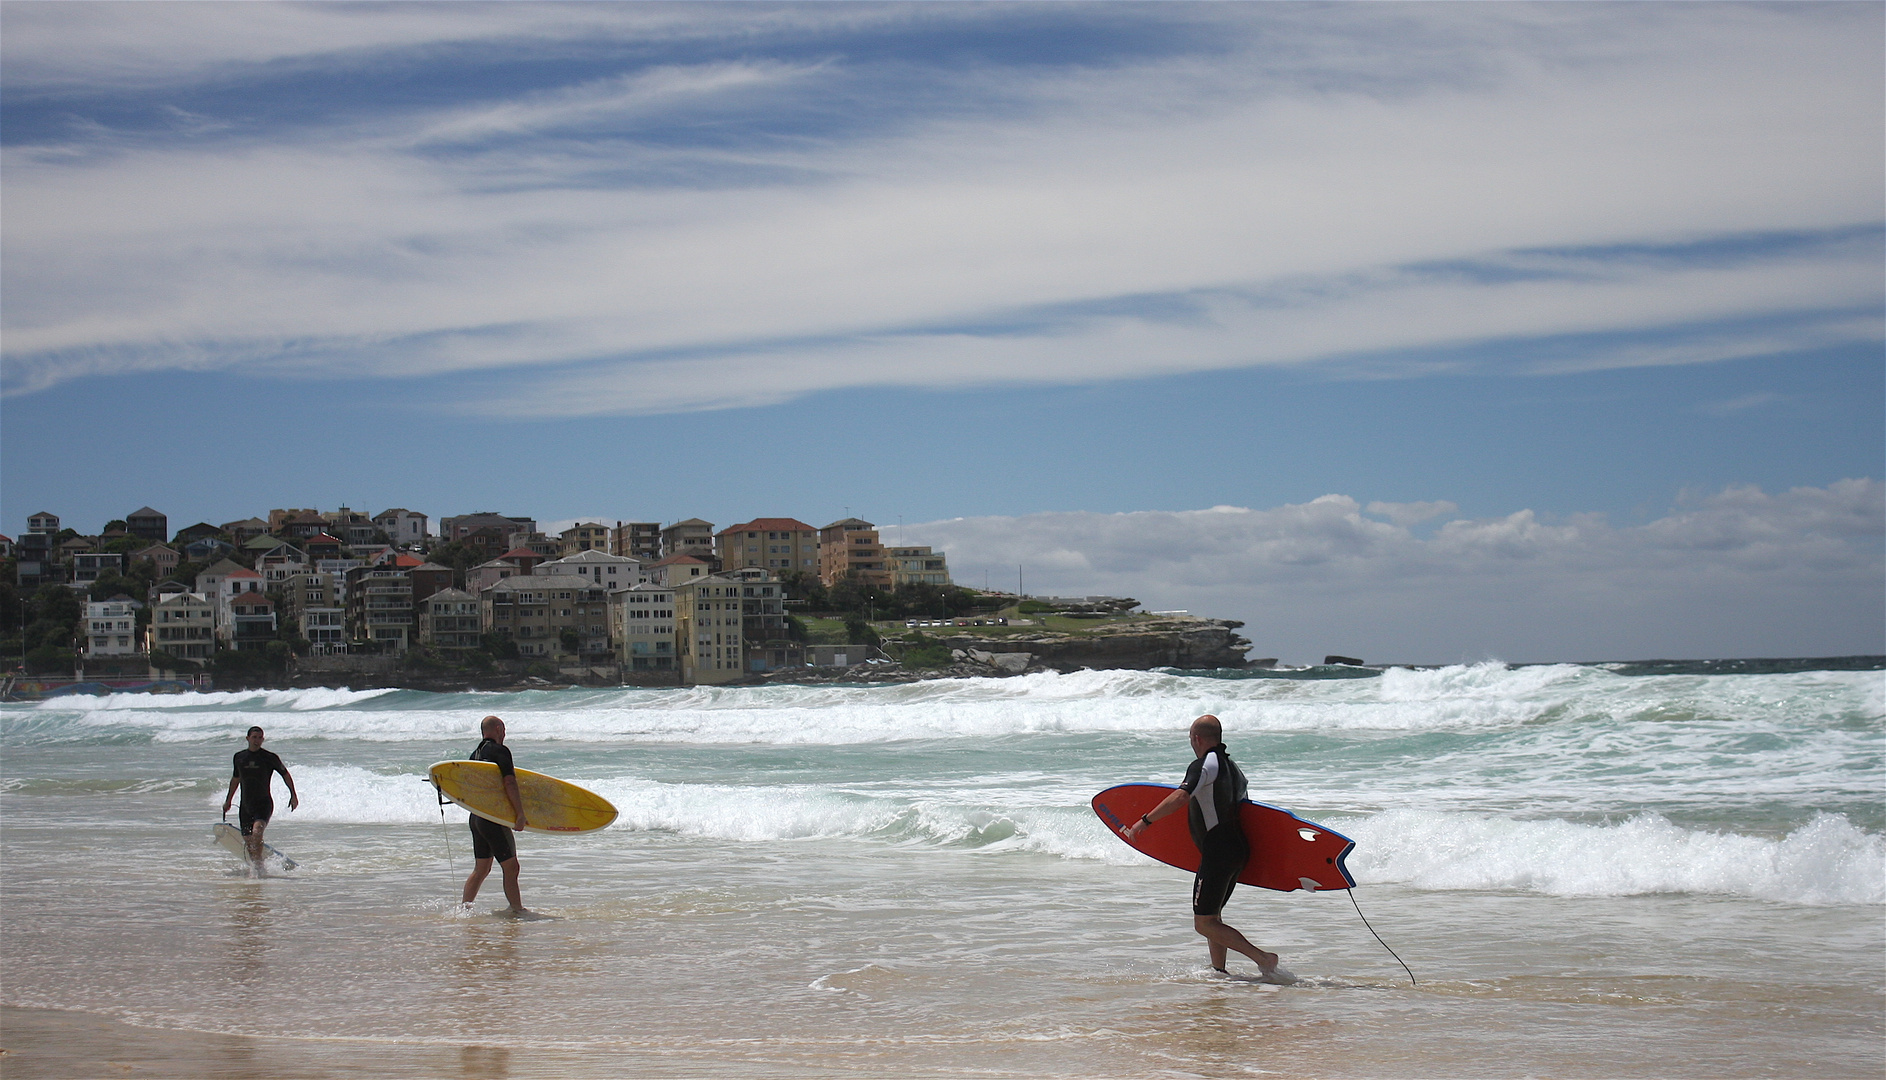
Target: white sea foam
1827, 861
1464, 699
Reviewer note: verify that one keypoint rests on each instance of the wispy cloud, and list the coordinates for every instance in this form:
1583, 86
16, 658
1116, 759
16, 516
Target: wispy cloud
1736, 405
1739, 572
1506, 189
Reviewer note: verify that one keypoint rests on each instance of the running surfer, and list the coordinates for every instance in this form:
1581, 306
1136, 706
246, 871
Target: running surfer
1212, 789
255, 771
491, 840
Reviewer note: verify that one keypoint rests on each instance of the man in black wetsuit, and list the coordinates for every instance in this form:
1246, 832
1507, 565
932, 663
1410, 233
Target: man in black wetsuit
491, 840
255, 772
1212, 789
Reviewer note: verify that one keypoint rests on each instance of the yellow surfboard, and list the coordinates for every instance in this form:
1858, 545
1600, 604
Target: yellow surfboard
550, 804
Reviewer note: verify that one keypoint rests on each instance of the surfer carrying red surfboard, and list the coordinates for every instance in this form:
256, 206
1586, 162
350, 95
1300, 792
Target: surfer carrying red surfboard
1212, 789
491, 840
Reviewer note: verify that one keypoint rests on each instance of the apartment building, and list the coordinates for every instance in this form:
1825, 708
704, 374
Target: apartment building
183, 625
380, 607
449, 621
583, 536
642, 624
692, 537
917, 566
637, 539
850, 549
311, 602
111, 628
776, 545
251, 621
708, 619
766, 643
535, 611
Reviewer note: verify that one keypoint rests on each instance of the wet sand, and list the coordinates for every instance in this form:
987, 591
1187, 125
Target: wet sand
62, 1044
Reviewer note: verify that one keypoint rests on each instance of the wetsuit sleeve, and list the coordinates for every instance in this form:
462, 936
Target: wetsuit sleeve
501, 756
236, 766
1190, 783
279, 766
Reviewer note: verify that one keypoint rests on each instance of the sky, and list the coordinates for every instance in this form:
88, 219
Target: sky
1415, 332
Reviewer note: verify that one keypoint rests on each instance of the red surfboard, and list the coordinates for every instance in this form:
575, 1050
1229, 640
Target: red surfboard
1287, 852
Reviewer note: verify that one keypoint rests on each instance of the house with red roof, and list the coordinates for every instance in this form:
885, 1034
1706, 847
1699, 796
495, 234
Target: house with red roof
777, 545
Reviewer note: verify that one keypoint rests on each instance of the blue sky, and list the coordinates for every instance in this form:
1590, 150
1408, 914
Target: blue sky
984, 262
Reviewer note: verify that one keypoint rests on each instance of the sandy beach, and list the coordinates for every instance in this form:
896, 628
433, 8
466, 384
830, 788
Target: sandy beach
1593, 874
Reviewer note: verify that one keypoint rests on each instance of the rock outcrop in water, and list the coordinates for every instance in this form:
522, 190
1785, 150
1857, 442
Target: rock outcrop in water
1168, 642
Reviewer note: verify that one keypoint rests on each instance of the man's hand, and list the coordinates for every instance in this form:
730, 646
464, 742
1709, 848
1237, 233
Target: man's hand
294, 800
519, 827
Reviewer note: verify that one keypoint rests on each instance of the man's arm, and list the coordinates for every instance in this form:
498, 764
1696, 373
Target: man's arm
517, 801
231, 796
294, 800
1166, 806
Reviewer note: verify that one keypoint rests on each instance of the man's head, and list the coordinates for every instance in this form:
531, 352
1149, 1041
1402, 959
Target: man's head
492, 728
1207, 732
255, 737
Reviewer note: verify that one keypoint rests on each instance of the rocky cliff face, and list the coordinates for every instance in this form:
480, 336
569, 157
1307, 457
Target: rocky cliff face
1176, 643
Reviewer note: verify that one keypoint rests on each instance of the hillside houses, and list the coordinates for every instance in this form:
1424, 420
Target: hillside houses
684, 600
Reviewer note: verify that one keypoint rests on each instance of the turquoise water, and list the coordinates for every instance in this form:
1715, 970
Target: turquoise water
1594, 870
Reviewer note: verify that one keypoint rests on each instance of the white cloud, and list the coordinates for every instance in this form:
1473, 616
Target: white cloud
1737, 573
1291, 218
1405, 514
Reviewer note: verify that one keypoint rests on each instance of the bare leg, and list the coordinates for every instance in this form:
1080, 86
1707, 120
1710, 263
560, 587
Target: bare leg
481, 869
1222, 937
254, 843
511, 893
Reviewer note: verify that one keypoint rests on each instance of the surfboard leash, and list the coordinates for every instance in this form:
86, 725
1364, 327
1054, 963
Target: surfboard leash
445, 835
1365, 922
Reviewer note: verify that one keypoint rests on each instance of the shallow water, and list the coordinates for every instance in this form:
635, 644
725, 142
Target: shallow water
1591, 873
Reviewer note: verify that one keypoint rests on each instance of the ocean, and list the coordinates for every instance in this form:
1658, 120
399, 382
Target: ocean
1652, 870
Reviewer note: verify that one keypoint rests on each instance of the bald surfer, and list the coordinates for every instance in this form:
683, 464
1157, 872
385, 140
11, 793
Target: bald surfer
255, 770
1212, 789
490, 840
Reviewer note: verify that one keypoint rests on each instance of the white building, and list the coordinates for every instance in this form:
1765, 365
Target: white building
642, 624
600, 567
402, 526
111, 628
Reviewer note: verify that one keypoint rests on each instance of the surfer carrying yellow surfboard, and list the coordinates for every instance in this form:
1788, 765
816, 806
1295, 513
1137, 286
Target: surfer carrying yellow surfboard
491, 840
1212, 789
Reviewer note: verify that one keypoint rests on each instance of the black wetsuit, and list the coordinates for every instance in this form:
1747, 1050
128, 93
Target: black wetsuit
257, 769
1217, 787
491, 840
